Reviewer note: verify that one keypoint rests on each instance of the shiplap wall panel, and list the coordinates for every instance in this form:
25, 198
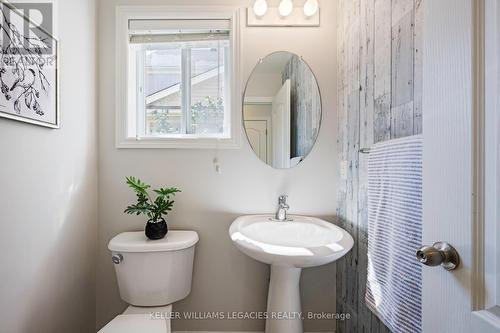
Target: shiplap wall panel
366, 111
305, 106
418, 63
402, 68
341, 280
380, 97
352, 117
382, 58
402, 59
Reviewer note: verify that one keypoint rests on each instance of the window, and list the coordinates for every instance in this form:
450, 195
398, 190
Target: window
179, 89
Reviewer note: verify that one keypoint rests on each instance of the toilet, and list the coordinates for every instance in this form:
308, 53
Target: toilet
152, 275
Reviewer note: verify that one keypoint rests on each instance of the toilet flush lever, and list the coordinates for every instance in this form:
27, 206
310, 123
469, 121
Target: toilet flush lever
441, 253
117, 258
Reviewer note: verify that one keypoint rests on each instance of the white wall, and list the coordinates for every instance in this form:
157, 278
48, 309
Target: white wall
264, 85
224, 278
257, 110
48, 212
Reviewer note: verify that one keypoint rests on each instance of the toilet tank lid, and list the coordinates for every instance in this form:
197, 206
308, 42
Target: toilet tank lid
137, 242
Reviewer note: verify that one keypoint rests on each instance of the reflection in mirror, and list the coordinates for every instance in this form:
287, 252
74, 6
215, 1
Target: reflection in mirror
282, 110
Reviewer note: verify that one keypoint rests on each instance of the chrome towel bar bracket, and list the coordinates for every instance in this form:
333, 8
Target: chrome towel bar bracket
364, 150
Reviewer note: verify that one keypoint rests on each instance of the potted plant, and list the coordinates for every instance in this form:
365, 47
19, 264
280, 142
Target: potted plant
155, 210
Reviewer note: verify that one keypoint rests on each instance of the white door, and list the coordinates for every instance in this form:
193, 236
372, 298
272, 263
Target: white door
281, 125
453, 300
257, 136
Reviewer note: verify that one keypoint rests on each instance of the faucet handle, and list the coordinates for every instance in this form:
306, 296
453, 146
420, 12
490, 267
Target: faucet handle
282, 199
281, 214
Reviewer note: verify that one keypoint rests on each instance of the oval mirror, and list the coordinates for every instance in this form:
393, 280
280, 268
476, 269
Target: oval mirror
282, 110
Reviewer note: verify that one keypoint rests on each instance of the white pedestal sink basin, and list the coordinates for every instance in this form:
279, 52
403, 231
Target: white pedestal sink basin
288, 247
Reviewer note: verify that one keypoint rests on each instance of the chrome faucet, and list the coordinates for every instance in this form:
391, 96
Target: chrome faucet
281, 214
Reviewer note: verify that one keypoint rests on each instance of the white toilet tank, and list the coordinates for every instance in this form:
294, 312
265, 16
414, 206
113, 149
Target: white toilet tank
154, 272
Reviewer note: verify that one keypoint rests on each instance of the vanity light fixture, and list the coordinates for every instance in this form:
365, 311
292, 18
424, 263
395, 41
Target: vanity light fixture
260, 7
311, 7
267, 14
286, 7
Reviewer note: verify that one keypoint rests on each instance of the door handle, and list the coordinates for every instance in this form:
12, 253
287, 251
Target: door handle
441, 253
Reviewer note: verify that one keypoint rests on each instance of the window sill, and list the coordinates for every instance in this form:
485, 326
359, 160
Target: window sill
179, 143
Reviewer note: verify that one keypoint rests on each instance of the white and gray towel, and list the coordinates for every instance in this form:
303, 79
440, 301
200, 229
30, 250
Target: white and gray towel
394, 283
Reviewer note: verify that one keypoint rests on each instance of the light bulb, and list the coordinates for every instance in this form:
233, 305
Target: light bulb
286, 7
311, 7
260, 7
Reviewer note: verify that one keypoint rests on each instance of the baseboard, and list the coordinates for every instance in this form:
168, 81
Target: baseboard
232, 332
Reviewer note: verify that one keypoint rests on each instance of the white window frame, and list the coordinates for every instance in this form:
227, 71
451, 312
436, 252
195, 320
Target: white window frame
126, 119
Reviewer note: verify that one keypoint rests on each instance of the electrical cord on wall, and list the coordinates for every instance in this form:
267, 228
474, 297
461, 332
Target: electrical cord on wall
216, 161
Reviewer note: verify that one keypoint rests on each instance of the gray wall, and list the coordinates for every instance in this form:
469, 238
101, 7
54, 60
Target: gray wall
48, 215
224, 278
380, 98
305, 106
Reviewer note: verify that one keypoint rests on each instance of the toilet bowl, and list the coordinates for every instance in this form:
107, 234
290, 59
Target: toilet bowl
152, 275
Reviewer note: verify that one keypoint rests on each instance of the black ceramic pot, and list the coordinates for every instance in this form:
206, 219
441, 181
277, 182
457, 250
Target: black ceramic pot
156, 230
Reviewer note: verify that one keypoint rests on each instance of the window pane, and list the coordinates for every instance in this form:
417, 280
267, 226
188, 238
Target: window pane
162, 89
162, 121
207, 87
163, 68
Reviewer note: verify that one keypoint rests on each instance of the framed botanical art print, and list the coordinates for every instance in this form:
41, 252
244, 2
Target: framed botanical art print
29, 87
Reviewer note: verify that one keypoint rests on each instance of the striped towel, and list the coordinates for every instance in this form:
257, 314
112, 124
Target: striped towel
394, 284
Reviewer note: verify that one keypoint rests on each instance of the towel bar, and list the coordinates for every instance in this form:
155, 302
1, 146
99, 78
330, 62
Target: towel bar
364, 150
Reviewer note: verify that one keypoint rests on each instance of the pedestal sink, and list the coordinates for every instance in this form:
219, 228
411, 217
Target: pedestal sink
288, 247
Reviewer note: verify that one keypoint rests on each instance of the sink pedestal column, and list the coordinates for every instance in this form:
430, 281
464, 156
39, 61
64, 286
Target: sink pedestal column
283, 302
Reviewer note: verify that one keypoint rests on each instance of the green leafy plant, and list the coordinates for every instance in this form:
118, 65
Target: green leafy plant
153, 209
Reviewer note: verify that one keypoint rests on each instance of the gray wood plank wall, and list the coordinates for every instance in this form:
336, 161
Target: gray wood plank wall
305, 106
380, 98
